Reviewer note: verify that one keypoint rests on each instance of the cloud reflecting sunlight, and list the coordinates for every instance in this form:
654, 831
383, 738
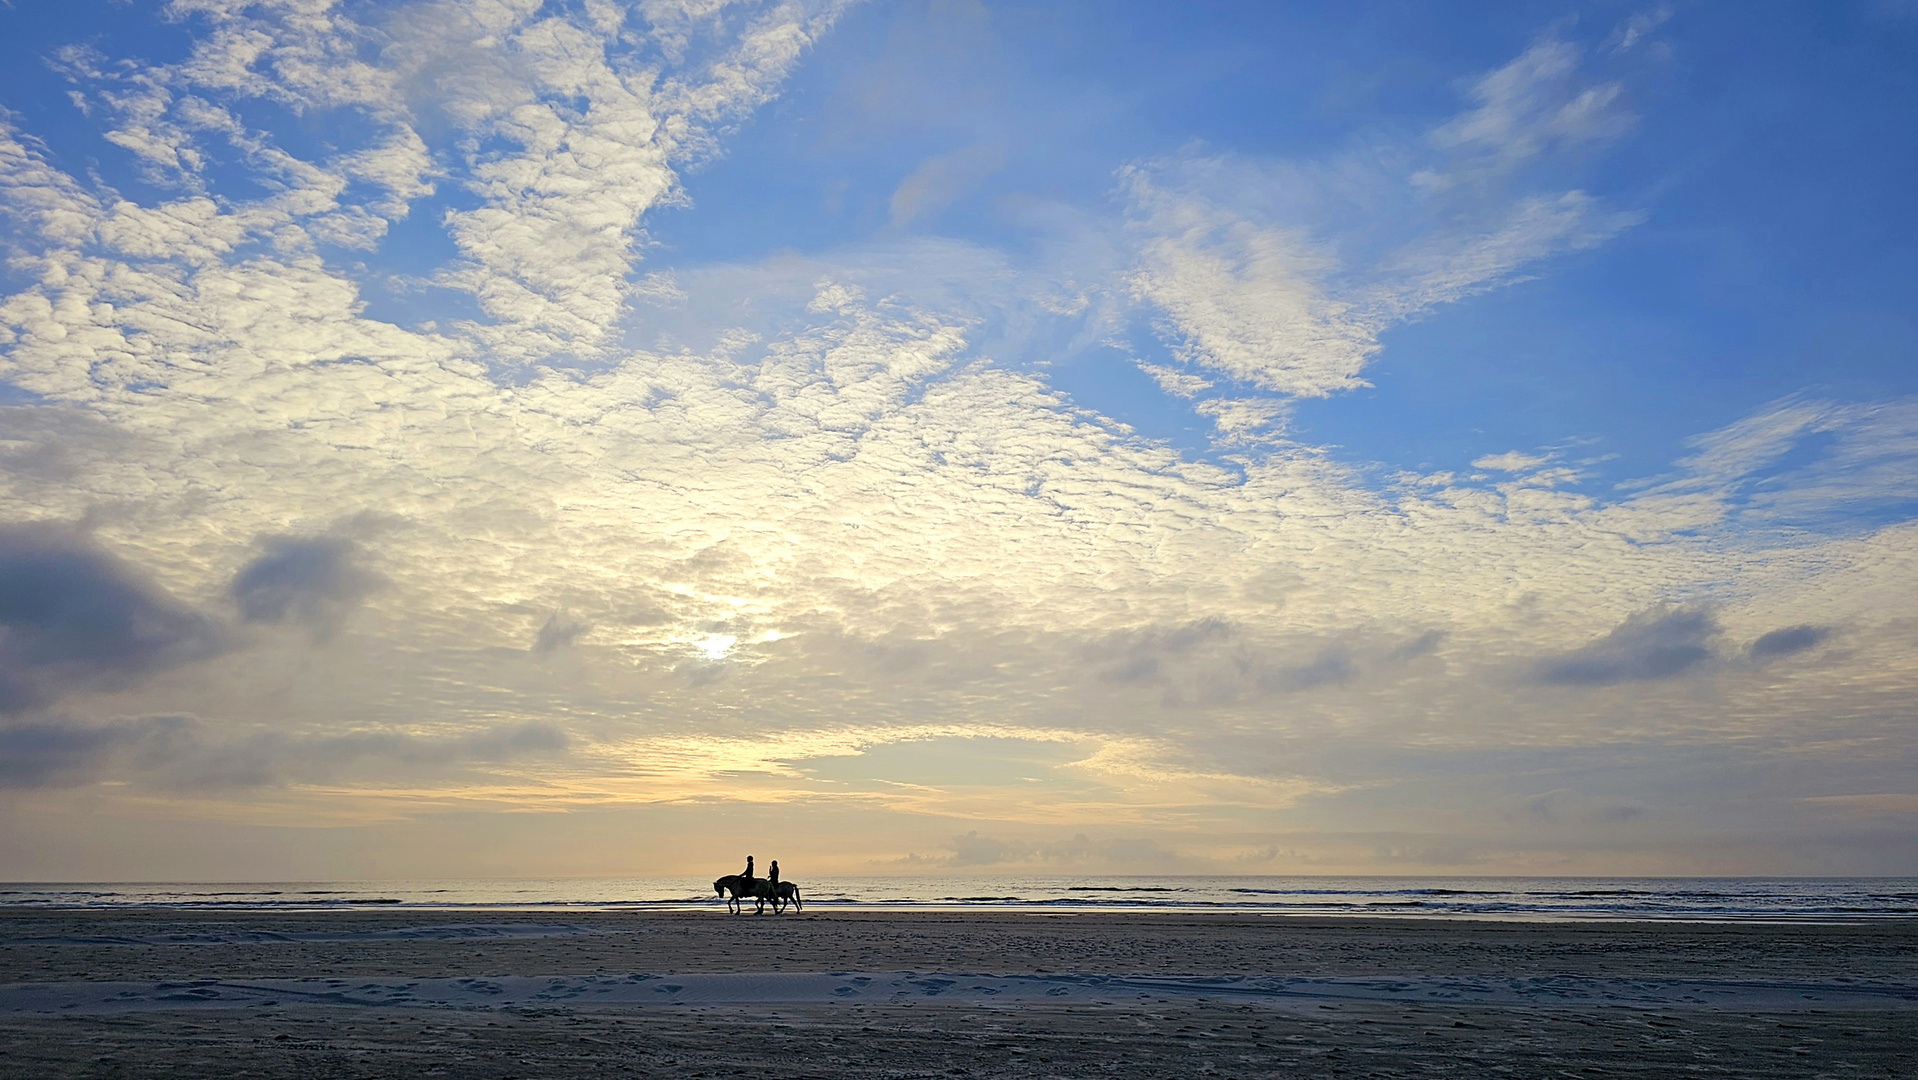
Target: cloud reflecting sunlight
647, 425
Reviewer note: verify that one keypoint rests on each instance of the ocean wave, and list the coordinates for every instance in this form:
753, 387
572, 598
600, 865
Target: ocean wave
1728, 900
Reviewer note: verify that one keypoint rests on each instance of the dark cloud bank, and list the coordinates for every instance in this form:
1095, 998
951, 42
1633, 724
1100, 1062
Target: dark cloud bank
1217, 666
1792, 639
181, 753
309, 580
1651, 645
1663, 644
73, 617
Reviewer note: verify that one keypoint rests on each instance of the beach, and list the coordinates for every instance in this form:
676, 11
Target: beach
493, 994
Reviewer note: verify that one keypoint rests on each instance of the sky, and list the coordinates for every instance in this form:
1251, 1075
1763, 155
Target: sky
525, 438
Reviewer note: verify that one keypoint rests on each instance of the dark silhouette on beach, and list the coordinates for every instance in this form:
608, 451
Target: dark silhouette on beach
738, 888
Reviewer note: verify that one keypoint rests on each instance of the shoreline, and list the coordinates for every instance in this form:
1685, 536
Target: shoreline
825, 908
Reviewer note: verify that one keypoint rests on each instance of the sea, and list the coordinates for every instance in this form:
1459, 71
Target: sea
1822, 900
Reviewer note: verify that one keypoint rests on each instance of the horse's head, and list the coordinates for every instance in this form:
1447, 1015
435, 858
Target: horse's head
719, 887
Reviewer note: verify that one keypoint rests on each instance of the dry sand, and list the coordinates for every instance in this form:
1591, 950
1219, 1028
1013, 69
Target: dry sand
552, 994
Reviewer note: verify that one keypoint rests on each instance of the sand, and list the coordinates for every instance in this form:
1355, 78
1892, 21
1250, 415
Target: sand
141, 993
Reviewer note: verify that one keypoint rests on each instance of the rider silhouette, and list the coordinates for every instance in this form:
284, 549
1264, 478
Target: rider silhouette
772, 873
748, 875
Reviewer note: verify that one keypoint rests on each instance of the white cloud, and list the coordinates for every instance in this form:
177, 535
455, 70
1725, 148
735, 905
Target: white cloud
1239, 419
1175, 382
943, 179
1245, 298
1533, 105
550, 254
1635, 30
402, 165
1868, 460
1511, 461
1445, 270
1282, 275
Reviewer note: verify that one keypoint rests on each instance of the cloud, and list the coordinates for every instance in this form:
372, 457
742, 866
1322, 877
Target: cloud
1787, 641
1245, 298
566, 145
971, 850
1804, 462
1240, 420
1283, 275
1332, 665
1510, 461
1423, 645
181, 753
830, 504
309, 580
1566, 807
1532, 105
1617, 814
944, 179
550, 253
1653, 645
1447, 269
1174, 382
1136, 655
56, 754
557, 632
403, 165
1633, 32
73, 617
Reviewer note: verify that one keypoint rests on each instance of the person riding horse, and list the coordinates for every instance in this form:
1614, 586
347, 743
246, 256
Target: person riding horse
747, 887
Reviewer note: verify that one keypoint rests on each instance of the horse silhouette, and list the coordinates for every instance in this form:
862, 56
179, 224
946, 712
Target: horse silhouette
737, 889
785, 893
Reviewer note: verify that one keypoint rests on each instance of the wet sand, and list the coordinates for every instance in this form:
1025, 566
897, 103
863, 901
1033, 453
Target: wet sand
493, 994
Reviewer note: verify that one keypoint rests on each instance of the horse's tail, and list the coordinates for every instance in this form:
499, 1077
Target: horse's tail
797, 906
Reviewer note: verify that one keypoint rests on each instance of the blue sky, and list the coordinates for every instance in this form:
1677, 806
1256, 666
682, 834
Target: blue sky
1767, 153
1258, 437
